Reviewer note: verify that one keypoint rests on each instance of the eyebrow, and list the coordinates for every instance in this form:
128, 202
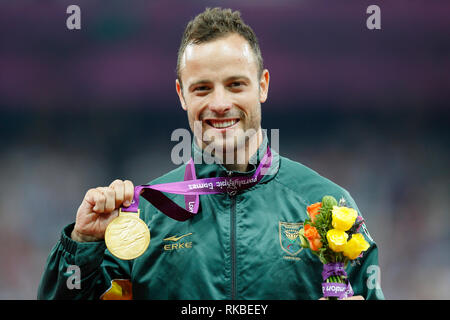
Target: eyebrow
237, 78
232, 78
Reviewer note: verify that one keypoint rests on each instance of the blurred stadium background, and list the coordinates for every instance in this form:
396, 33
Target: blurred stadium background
366, 109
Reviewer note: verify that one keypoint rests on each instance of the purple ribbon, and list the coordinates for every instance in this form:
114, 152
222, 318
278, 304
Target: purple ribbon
192, 187
335, 289
333, 269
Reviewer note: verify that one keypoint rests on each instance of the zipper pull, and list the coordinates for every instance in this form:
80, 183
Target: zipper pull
232, 192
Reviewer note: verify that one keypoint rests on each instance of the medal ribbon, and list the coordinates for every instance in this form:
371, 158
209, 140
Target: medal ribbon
192, 187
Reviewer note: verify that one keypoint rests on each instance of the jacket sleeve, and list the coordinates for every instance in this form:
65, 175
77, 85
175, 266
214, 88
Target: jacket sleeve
77, 270
364, 272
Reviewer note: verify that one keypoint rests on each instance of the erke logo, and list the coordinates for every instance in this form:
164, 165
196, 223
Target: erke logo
177, 245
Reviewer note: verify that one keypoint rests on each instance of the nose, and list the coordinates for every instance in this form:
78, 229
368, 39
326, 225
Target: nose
220, 102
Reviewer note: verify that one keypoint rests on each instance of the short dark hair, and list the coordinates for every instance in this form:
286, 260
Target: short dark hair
214, 23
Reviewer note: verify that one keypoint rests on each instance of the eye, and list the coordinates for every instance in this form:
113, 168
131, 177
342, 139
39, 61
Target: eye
201, 88
235, 84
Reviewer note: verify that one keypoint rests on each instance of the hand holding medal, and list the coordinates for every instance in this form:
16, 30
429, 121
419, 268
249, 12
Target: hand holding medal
99, 207
100, 217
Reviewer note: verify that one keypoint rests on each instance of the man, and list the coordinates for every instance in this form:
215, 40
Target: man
235, 246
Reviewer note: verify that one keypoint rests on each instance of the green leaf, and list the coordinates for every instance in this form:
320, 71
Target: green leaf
322, 258
304, 243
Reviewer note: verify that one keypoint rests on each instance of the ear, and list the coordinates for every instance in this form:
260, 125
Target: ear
180, 94
264, 86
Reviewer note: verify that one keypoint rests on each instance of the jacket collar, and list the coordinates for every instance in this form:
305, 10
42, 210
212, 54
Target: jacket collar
216, 169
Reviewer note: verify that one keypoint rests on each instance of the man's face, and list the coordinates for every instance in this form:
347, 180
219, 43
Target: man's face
222, 91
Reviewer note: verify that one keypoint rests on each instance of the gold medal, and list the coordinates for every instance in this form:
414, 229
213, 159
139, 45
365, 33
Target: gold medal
127, 236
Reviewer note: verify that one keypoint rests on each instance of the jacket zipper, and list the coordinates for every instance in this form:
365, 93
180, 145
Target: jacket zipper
233, 244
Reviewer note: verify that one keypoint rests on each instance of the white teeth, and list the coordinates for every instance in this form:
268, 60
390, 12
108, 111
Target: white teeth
222, 124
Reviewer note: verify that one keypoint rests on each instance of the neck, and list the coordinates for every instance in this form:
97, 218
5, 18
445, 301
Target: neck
237, 167
251, 148
238, 160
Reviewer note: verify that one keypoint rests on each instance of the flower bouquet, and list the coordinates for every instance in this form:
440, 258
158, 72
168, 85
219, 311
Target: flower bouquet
331, 233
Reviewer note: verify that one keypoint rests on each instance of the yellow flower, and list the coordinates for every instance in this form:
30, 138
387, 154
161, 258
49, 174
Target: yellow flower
355, 246
337, 239
343, 218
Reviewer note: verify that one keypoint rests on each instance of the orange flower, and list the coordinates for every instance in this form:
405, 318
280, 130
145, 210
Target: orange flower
313, 237
313, 210
315, 245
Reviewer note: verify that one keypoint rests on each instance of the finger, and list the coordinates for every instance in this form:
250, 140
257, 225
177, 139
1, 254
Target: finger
128, 193
89, 201
110, 203
89, 197
97, 199
119, 188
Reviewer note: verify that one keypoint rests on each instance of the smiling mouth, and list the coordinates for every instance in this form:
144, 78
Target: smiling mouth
222, 124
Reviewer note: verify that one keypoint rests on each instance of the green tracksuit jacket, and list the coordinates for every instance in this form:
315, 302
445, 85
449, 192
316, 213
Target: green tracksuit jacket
234, 248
